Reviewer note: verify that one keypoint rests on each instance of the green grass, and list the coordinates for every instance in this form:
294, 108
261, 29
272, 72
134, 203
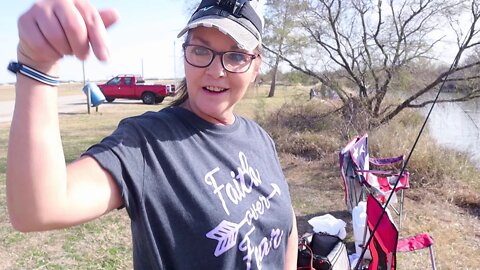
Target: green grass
104, 243
443, 199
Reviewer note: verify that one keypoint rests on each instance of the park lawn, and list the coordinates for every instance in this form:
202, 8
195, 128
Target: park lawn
316, 189
102, 244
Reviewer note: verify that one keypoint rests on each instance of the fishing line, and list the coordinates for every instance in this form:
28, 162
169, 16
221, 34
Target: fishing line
469, 117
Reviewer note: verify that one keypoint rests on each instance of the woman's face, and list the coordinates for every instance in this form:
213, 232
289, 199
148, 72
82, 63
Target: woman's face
213, 91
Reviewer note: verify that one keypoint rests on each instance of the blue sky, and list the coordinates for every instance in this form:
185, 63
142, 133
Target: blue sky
146, 33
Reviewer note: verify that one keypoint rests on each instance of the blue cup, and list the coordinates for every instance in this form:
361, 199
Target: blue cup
96, 95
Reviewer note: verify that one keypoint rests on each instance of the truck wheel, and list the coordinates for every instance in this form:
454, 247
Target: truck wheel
159, 99
148, 98
109, 99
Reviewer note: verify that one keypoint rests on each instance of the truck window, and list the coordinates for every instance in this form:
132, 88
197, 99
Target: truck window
127, 81
114, 81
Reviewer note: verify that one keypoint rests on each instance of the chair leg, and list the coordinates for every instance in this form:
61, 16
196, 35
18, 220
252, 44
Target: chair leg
432, 257
389, 261
367, 254
401, 209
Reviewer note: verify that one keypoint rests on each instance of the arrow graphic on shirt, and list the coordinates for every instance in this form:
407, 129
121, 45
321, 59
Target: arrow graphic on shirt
226, 232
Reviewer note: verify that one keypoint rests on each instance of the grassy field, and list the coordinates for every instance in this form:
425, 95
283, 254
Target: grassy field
443, 200
7, 92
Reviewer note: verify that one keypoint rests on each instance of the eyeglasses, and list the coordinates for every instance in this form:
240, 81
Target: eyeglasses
232, 61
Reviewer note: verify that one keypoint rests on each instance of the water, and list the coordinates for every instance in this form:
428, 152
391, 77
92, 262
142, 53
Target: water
457, 126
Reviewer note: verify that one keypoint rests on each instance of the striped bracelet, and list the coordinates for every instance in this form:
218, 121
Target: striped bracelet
32, 73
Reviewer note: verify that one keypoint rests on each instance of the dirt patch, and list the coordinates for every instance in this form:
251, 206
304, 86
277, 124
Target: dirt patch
315, 190
470, 202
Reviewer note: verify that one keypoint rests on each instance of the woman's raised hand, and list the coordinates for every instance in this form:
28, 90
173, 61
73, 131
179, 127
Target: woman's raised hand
51, 29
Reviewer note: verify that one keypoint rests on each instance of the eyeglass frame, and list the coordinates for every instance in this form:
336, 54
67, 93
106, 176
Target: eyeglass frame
221, 54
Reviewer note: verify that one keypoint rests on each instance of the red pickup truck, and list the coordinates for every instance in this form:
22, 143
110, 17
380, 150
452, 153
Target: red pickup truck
134, 87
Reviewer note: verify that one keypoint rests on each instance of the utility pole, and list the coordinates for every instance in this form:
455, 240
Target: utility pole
142, 69
174, 63
88, 88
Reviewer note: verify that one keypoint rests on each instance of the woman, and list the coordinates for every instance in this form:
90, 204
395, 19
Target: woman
203, 187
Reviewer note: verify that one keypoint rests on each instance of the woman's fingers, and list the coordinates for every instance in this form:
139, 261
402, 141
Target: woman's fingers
33, 44
74, 28
52, 29
97, 33
109, 16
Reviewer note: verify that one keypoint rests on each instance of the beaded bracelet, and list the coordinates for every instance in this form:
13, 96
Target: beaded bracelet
32, 73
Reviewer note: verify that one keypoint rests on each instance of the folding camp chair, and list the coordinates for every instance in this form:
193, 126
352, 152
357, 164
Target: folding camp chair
385, 243
359, 179
353, 158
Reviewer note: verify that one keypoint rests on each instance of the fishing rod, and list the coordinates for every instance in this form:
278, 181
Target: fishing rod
384, 208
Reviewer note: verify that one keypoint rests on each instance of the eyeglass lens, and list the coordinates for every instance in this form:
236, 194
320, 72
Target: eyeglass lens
200, 56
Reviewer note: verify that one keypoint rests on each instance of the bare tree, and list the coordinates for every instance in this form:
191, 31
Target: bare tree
279, 33
368, 43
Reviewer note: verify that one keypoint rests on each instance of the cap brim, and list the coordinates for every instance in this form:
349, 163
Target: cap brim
244, 38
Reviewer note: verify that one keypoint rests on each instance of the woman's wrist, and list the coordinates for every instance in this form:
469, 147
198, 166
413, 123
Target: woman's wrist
48, 67
34, 74
35, 70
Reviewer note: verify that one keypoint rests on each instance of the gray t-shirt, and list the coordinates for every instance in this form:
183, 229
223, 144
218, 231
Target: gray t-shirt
199, 195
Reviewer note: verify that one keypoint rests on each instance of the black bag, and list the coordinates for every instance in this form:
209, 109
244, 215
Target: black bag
307, 260
322, 244
322, 251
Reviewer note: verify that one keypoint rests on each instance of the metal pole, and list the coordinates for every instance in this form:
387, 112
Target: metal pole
88, 89
174, 63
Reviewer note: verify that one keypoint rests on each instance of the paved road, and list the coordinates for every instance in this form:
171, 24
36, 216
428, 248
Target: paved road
66, 104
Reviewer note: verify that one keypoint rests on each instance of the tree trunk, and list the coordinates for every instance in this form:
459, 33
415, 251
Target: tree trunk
274, 78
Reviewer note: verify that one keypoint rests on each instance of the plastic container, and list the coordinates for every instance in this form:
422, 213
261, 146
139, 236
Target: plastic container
329, 224
96, 95
360, 232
